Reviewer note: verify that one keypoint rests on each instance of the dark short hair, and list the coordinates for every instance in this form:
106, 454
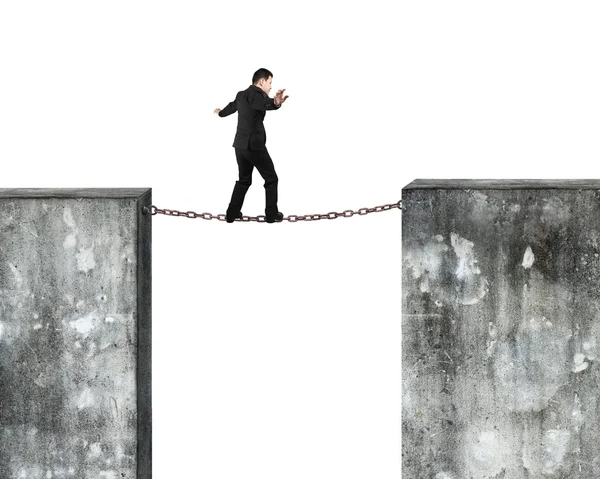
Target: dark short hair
261, 73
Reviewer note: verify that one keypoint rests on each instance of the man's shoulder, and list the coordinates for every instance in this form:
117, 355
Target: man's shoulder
253, 89
247, 95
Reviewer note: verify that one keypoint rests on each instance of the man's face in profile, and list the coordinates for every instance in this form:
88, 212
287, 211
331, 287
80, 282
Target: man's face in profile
265, 85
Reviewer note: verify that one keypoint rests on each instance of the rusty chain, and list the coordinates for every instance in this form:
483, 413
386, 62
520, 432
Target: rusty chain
262, 218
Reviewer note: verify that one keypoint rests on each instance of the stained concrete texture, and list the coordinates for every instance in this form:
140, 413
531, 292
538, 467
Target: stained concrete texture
74, 334
501, 329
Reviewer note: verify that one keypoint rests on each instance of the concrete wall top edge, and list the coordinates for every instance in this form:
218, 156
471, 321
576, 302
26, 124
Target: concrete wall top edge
499, 184
73, 192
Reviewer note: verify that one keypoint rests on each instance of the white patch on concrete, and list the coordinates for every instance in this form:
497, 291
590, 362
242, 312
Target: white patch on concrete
555, 212
68, 218
579, 358
85, 259
491, 348
485, 453
1, 330
37, 326
120, 454
16, 273
579, 363
532, 367
108, 474
492, 330
547, 457
483, 210
428, 259
430, 256
48, 474
95, 449
474, 286
109, 319
493, 334
424, 285
576, 414
589, 348
41, 381
70, 241
444, 475
85, 324
128, 253
467, 264
528, 258
86, 399
92, 350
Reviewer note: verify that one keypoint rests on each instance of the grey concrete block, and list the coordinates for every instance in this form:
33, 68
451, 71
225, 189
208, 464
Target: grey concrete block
501, 329
75, 331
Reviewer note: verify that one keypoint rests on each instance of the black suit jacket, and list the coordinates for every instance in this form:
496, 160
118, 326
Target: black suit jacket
251, 105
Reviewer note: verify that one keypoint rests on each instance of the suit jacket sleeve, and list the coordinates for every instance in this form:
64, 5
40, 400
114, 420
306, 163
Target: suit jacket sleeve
229, 109
262, 102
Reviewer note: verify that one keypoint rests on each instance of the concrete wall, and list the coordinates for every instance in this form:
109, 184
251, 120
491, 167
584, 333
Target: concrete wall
501, 329
75, 334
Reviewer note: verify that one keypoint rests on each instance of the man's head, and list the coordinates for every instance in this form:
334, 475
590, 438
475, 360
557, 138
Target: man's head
262, 78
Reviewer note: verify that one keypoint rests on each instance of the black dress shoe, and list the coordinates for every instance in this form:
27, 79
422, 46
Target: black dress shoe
275, 219
231, 219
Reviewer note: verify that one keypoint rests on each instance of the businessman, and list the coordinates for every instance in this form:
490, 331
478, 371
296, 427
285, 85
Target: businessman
250, 143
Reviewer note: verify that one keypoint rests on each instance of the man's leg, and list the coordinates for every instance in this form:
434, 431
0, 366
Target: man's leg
264, 165
241, 186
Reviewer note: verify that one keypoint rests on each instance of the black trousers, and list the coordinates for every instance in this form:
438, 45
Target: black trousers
247, 160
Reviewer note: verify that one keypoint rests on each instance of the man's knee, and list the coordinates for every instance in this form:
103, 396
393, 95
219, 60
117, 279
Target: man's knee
245, 182
272, 181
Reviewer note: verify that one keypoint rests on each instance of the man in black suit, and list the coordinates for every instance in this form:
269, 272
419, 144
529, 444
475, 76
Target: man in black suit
249, 143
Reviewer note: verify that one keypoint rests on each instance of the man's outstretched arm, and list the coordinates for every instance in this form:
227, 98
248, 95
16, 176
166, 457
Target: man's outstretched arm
228, 110
263, 102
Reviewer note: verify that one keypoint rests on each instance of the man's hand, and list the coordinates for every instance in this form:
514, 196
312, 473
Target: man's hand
217, 110
279, 98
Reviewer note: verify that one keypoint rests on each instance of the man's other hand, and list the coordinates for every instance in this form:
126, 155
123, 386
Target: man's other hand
279, 98
217, 110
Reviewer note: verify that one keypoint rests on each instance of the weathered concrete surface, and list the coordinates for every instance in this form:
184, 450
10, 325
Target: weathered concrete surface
75, 382
501, 329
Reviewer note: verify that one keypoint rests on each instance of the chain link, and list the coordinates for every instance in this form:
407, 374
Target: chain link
332, 215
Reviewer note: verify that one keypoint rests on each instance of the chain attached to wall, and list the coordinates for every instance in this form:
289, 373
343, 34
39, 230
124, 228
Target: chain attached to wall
262, 219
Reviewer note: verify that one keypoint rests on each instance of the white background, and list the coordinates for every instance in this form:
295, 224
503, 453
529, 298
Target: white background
277, 347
